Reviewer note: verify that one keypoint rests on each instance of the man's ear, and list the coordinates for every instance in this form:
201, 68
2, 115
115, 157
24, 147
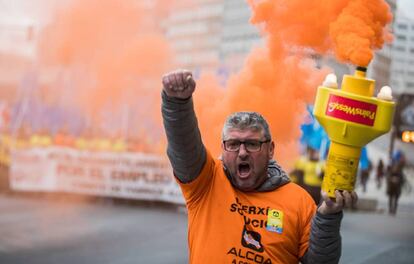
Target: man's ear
271, 149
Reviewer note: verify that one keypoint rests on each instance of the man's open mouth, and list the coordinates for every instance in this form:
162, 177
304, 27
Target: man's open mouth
243, 170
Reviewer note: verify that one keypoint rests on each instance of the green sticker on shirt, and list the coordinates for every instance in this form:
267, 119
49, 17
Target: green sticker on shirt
275, 221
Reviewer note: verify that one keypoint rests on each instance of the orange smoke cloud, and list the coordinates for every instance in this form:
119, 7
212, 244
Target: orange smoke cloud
278, 80
114, 54
297, 22
211, 110
278, 89
360, 29
352, 29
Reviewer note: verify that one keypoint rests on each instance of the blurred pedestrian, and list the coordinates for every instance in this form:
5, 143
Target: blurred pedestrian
395, 181
398, 157
310, 171
379, 173
5, 144
364, 173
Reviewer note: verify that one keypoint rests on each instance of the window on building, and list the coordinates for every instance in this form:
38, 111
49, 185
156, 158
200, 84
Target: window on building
399, 71
402, 26
410, 84
401, 37
399, 48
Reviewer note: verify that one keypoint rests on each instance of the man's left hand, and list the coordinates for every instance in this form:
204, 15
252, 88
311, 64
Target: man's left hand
344, 199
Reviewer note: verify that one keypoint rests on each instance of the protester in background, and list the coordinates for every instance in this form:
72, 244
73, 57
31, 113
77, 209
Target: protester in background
365, 167
5, 143
100, 141
296, 175
41, 139
379, 173
83, 141
22, 139
64, 138
309, 168
364, 175
118, 143
395, 181
243, 206
133, 144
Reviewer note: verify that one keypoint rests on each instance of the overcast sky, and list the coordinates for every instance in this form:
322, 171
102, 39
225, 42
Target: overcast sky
406, 7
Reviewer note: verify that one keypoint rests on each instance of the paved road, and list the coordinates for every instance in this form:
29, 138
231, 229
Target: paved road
378, 149
39, 230
378, 238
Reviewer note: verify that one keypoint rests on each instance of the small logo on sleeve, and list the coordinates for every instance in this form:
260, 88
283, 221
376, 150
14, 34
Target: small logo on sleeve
275, 221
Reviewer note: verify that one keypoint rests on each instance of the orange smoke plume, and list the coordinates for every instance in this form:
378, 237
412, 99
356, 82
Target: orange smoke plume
359, 29
278, 80
278, 89
274, 81
114, 54
297, 22
352, 29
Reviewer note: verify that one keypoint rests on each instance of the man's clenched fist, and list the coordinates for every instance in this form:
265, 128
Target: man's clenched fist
179, 84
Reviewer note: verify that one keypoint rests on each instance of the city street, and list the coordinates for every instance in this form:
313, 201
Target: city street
378, 149
46, 230
97, 103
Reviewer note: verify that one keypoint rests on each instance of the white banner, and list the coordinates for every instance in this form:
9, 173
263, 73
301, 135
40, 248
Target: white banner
123, 175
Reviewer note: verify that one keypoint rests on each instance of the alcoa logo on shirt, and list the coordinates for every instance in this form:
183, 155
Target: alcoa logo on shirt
251, 239
255, 218
252, 249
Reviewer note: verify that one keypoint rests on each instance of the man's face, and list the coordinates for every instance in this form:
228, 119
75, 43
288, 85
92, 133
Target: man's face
247, 169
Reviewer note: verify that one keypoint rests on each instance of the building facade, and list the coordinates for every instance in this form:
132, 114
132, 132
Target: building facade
193, 31
211, 35
402, 66
216, 36
380, 67
238, 36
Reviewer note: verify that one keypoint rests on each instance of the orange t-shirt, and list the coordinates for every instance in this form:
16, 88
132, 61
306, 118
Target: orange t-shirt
230, 226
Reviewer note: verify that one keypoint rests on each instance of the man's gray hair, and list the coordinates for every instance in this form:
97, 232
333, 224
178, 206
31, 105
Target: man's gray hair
246, 120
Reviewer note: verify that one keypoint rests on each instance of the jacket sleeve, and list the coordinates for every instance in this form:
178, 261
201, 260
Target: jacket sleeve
185, 149
325, 240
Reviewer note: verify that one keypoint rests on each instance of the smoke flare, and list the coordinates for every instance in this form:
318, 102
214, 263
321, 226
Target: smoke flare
360, 29
279, 79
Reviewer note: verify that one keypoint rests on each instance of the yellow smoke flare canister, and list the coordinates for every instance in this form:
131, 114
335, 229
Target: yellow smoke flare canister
352, 117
